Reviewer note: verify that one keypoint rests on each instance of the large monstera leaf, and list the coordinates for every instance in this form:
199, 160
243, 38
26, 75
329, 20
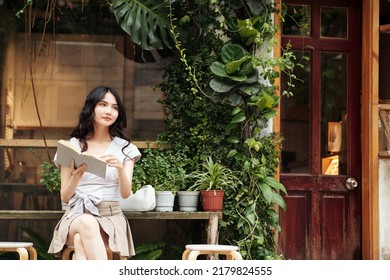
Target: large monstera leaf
146, 21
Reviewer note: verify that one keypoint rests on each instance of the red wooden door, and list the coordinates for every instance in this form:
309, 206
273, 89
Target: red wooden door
321, 167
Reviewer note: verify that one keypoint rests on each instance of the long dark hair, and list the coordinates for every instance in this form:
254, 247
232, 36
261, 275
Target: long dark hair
85, 127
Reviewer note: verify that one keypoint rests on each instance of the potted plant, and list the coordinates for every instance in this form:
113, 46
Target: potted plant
188, 200
211, 181
161, 169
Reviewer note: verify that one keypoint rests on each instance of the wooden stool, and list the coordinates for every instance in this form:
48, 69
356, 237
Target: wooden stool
25, 250
67, 254
193, 251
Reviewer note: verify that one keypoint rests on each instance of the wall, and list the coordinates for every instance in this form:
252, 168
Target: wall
384, 208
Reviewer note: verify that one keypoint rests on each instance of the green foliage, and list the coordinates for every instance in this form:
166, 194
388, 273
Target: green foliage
162, 168
145, 21
40, 244
213, 176
194, 125
235, 77
51, 176
148, 251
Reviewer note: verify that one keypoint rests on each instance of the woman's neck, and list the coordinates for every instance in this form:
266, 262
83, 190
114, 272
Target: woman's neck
100, 135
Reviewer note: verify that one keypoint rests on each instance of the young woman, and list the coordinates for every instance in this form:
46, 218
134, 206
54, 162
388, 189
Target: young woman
94, 220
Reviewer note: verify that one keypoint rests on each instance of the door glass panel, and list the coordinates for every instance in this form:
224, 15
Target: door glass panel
297, 20
334, 22
295, 123
334, 112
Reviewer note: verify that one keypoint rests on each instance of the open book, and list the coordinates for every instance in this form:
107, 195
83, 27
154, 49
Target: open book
67, 151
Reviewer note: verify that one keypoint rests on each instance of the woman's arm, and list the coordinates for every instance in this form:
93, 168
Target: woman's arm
125, 178
125, 173
70, 180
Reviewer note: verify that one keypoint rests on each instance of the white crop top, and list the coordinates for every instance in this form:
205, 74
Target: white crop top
92, 189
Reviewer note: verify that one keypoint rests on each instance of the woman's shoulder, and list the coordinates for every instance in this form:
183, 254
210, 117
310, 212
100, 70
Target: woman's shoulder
123, 142
120, 141
130, 149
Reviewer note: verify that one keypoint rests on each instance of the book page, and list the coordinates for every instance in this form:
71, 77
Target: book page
67, 151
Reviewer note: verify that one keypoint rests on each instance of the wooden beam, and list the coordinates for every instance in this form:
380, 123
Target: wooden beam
370, 96
213, 217
384, 28
38, 143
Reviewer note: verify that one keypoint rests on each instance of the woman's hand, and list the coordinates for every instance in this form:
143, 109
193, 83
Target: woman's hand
78, 172
70, 177
113, 161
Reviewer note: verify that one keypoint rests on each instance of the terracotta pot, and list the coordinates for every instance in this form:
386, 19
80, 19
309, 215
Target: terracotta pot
212, 200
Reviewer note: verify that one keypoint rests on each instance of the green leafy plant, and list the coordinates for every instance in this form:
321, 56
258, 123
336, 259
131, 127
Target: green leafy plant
213, 176
51, 176
149, 251
235, 76
40, 244
161, 168
145, 21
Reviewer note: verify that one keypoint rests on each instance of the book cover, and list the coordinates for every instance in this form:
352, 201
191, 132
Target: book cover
67, 151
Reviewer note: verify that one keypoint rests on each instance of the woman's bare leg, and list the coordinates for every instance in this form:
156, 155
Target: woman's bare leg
89, 239
79, 252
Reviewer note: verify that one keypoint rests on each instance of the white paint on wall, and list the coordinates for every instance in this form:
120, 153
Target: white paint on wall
384, 209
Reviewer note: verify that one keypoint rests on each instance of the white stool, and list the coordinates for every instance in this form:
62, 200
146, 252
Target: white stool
25, 250
194, 250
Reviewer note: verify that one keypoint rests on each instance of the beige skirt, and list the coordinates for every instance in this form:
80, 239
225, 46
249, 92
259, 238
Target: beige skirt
112, 221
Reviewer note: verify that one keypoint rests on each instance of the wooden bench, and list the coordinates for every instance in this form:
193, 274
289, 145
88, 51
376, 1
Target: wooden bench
211, 218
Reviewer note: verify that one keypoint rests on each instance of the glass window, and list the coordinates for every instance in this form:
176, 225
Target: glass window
296, 119
334, 22
297, 20
83, 49
334, 69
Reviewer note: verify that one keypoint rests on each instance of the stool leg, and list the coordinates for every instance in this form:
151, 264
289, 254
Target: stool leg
23, 254
237, 255
110, 255
66, 253
234, 255
193, 255
185, 255
32, 253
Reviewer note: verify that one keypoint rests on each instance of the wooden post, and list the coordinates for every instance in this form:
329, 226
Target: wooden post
212, 233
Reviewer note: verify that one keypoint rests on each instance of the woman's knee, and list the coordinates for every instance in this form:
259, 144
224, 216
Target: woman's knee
85, 224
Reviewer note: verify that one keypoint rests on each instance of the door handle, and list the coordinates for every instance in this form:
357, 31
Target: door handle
351, 183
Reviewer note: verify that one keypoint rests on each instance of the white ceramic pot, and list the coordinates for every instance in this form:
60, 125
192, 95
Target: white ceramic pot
188, 200
164, 201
